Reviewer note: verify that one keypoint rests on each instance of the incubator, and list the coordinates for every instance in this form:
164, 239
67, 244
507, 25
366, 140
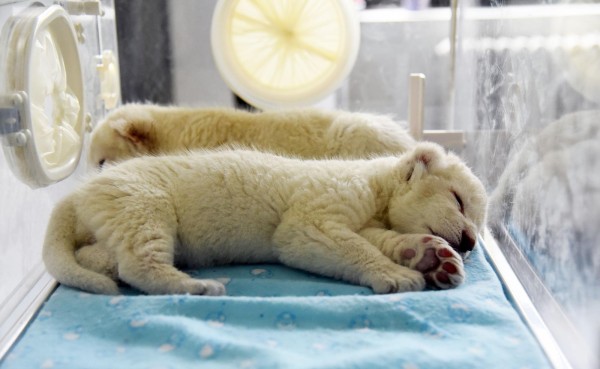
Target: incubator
513, 88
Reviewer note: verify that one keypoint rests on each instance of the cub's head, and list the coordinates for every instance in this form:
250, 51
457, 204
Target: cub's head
125, 133
438, 194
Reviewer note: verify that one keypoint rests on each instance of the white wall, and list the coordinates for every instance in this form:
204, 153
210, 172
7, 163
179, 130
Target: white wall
196, 81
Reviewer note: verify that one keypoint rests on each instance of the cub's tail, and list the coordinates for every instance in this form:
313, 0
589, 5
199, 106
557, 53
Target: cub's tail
59, 253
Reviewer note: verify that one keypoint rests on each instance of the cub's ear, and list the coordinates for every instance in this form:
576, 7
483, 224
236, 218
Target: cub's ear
138, 133
424, 157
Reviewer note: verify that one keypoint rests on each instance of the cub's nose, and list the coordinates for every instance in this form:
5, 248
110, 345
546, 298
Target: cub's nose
467, 243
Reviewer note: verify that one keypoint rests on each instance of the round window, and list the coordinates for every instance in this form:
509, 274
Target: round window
41, 119
277, 54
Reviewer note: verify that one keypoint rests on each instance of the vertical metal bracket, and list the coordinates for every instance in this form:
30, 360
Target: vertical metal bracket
416, 104
12, 132
416, 111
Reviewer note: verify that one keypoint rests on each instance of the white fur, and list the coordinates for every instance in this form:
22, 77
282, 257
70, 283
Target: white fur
351, 220
138, 129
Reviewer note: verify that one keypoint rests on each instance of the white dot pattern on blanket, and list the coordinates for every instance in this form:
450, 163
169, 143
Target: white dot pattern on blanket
137, 323
286, 320
71, 336
247, 364
320, 346
116, 300
207, 351
45, 314
261, 273
360, 322
166, 348
216, 319
459, 312
275, 317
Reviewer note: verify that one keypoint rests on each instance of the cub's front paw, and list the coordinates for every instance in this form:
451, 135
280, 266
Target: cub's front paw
434, 257
208, 287
213, 287
397, 279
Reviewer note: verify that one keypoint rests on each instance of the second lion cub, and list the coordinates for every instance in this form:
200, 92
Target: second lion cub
141, 129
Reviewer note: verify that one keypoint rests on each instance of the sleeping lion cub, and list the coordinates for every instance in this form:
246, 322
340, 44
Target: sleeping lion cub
137, 129
390, 223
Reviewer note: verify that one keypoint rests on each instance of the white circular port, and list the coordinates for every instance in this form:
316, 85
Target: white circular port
43, 69
284, 53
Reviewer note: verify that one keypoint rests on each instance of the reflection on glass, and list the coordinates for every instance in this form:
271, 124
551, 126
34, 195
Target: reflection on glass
528, 92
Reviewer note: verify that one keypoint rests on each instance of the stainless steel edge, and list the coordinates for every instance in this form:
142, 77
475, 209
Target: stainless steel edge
22, 306
534, 303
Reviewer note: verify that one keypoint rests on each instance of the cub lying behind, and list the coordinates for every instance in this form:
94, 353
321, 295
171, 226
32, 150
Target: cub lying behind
136, 130
389, 223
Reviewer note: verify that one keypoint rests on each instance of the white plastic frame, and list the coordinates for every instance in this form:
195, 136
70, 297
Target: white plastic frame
238, 82
19, 35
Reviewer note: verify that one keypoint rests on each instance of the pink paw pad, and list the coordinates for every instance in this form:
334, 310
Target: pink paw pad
441, 266
444, 253
428, 262
449, 268
408, 254
442, 277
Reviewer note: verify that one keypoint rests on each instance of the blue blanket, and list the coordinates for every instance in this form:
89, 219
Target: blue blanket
276, 317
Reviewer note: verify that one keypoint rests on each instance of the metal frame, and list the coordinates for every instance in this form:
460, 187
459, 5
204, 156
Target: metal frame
538, 309
22, 306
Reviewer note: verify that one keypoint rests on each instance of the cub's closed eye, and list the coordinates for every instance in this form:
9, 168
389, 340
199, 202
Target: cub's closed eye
410, 173
101, 163
459, 202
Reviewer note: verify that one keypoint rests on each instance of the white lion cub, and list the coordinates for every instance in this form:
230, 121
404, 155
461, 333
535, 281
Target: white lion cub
138, 129
389, 223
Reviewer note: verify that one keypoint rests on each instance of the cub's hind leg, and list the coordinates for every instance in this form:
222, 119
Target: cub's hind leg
98, 258
148, 266
146, 258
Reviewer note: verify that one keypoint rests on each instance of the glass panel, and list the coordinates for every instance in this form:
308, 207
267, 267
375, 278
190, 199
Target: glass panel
528, 92
396, 42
